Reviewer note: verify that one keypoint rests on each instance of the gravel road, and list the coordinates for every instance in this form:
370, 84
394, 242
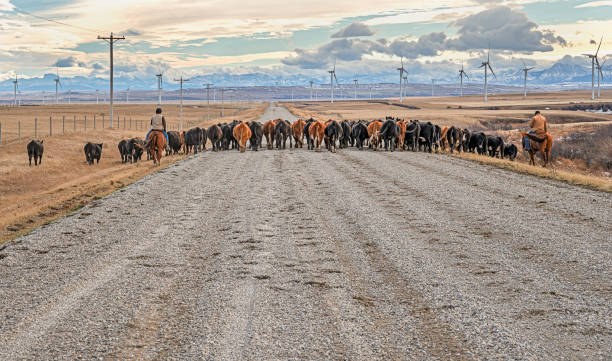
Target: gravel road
277, 255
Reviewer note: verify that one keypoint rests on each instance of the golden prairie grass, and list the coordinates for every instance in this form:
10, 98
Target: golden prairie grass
585, 180
31, 196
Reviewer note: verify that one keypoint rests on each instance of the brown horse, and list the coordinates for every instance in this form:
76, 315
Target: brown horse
316, 130
242, 133
541, 144
157, 144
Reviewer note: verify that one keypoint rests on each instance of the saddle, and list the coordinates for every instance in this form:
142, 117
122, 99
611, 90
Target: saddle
537, 139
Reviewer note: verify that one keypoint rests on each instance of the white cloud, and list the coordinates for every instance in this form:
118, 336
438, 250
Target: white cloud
594, 4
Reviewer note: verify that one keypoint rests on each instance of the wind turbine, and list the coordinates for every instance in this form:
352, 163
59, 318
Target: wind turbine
487, 65
462, 73
356, 82
44, 93
127, 96
16, 85
311, 82
593, 61
405, 86
600, 72
332, 77
401, 70
525, 70
432, 86
57, 82
159, 87
97, 97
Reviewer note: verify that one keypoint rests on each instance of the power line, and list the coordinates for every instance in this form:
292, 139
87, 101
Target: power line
19, 10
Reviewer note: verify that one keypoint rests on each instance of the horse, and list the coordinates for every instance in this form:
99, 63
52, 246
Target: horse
157, 144
538, 144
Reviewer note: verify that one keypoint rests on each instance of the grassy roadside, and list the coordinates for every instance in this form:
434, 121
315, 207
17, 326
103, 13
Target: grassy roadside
33, 196
587, 181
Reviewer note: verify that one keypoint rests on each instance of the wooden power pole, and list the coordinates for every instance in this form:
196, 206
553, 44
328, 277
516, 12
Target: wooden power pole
111, 40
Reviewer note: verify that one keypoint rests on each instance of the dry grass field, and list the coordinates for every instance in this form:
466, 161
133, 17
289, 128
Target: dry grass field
33, 195
502, 114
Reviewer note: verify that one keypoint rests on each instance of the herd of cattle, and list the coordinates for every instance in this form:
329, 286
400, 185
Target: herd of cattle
391, 134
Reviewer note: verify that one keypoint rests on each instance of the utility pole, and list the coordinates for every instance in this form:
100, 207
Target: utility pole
432, 86
181, 80
15, 96
111, 40
159, 88
208, 100
222, 105
127, 96
355, 80
370, 93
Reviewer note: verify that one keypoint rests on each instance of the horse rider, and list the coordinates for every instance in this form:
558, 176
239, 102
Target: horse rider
158, 123
538, 127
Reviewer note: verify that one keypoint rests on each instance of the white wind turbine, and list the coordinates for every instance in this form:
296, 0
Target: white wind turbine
600, 72
15, 85
401, 71
405, 86
594, 60
332, 77
462, 73
487, 65
159, 87
57, 82
525, 70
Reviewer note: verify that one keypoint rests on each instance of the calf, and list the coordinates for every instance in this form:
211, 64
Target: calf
125, 149
495, 145
35, 150
256, 135
282, 131
214, 134
510, 151
93, 151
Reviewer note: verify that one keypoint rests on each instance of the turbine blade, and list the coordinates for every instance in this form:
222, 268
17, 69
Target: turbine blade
524, 65
492, 71
600, 41
464, 73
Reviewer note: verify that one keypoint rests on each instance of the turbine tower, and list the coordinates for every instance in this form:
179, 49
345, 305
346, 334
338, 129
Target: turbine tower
159, 88
311, 82
356, 81
594, 60
332, 77
401, 71
487, 65
462, 73
525, 70
127, 96
405, 86
600, 72
57, 82
15, 85
432, 86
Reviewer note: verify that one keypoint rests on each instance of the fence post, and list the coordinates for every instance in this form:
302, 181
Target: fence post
123, 122
118, 122
19, 130
74, 123
94, 121
50, 126
35, 128
63, 124
102, 121
85, 122
0, 133
130, 123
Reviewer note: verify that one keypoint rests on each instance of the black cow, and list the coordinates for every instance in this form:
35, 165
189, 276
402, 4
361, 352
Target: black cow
426, 138
413, 133
137, 151
282, 131
478, 143
360, 134
35, 150
453, 137
215, 135
203, 139
256, 135
346, 138
233, 141
333, 132
93, 151
389, 133
510, 151
495, 145
228, 137
193, 140
174, 142
125, 149
309, 140
436, 137
465, 139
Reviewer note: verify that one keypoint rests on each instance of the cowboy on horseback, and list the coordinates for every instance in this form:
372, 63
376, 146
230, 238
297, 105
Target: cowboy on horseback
538, 127
158, 124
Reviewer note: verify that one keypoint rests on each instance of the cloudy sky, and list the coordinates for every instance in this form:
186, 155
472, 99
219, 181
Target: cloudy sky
200, 37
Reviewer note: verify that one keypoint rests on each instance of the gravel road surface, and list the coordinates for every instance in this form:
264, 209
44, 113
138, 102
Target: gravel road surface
278, 255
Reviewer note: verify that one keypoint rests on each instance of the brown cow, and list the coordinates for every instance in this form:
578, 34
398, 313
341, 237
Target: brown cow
297, 130
374, 133
268, 130
443, 140
400, 139
317, 132
242, 133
